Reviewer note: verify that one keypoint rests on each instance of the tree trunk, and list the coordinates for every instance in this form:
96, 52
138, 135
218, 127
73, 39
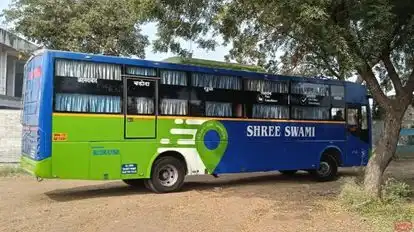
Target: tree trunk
385, 150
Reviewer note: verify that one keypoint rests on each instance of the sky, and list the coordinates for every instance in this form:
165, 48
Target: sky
150, 31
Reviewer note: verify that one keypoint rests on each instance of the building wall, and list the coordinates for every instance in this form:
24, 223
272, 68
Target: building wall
10, 135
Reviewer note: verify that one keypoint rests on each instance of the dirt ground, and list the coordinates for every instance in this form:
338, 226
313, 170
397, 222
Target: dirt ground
252, 202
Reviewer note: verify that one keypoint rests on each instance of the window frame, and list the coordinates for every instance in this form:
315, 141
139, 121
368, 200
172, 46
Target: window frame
184, 87
242, 98
125, 95
249, 104
55, 92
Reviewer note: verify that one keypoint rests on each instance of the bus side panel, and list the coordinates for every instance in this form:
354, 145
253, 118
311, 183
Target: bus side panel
89, 127
250, 151
70, 160
73, 136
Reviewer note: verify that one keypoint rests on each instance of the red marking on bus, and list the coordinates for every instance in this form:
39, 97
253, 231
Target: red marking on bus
36, 73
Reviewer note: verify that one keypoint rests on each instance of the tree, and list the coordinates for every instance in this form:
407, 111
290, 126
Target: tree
93, 26
371, 39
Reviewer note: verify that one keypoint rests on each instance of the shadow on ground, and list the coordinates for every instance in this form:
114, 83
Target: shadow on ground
199, 183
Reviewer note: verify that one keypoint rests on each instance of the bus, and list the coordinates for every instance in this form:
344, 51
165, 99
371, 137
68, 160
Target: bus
97, 117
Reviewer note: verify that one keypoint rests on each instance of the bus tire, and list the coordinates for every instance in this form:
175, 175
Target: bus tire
328, 169
167, 175
134, 182
288, 172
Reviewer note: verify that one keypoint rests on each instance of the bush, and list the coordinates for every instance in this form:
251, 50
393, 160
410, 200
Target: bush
395, 191
383, 213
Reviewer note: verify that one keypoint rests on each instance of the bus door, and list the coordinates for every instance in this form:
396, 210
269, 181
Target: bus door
357, 135
140, 104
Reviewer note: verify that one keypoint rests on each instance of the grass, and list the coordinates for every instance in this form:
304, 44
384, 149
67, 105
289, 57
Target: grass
11, 170
395, 205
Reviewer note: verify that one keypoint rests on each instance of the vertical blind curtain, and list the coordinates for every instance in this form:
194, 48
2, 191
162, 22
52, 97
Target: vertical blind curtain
138, 71
219, 82
173, 107
218, 109
88, 103
310, 113
310, 89
266, 86
144, 105
173, 78
88, 70
270, 111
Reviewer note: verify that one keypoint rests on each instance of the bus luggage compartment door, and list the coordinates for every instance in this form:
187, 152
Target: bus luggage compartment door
140, 104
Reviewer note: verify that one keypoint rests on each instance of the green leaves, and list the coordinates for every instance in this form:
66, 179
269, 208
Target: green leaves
96, 26
329, 37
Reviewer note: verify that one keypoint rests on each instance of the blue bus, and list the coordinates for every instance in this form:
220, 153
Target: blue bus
96, 117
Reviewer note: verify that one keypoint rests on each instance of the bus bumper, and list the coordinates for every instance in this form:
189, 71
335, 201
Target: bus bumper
39, 169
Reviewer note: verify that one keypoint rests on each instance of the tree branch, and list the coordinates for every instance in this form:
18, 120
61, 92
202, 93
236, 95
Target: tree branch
392, 73
369, 77
409, 87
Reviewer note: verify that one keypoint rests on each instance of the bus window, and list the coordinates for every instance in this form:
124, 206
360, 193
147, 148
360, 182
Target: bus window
310, 113
338, 114
87, 87
364, 118
173, 93
352, 117
267, 99
215, 96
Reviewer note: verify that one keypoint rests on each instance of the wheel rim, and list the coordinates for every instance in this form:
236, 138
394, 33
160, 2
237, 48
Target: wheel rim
324, 169
168, 175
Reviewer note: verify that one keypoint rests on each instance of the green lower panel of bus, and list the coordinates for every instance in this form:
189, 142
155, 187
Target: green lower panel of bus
102, 160
96, 147
37, 168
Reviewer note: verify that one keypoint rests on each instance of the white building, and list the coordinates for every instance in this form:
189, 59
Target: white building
13, 54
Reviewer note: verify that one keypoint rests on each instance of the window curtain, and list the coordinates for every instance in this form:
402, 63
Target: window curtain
173, 78
310, 89
88, 70
266, 86
173, 107
219, 82
218, 109
270, 111
310, 113
138, 71
144, 105
87, 103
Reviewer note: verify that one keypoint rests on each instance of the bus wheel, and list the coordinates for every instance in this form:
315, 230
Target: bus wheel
288, 172
134, 182
167, 175
328, 169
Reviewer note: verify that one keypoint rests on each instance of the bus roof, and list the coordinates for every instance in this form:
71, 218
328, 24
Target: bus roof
182, 67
